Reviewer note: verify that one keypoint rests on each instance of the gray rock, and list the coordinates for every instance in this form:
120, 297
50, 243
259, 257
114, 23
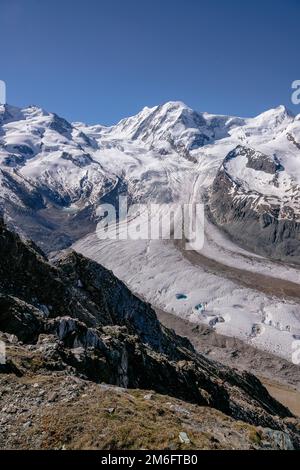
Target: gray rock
183, 437
270, 228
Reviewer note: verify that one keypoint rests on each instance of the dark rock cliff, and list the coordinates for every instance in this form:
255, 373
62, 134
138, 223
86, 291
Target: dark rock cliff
76, 318
255, 221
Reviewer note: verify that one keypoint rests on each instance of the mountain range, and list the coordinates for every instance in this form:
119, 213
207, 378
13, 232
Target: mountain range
77, 339
78, 315
50, 167
246, 171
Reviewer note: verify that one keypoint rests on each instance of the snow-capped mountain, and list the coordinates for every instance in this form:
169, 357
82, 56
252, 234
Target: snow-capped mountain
255, 196
257, 202
50, 154
172, 126
53, 175
46, 165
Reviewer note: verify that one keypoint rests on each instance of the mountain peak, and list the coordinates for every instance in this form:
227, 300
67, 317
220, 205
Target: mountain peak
174, 105
283, 108
281, 112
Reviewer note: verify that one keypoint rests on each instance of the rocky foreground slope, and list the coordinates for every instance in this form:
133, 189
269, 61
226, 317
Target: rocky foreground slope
72, 326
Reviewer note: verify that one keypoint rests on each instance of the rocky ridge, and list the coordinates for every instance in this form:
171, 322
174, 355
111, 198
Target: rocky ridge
75, 319
257, 204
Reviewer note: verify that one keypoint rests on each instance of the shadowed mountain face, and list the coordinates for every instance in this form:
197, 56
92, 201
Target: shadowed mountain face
76, 318
257, 204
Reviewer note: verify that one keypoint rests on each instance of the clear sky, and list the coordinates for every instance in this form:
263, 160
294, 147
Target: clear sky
101, 60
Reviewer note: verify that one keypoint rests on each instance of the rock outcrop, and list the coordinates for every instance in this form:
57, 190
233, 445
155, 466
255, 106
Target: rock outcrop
75, 318
254, 202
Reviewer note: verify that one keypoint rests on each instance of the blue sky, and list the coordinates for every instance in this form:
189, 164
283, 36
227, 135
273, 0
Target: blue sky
98, 61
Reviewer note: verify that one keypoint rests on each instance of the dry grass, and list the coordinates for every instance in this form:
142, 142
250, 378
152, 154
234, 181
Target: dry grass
104, 417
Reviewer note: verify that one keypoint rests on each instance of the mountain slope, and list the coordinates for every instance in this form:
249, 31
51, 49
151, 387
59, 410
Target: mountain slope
46, 165
258, 203
54, 174
77, 319
173, 125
